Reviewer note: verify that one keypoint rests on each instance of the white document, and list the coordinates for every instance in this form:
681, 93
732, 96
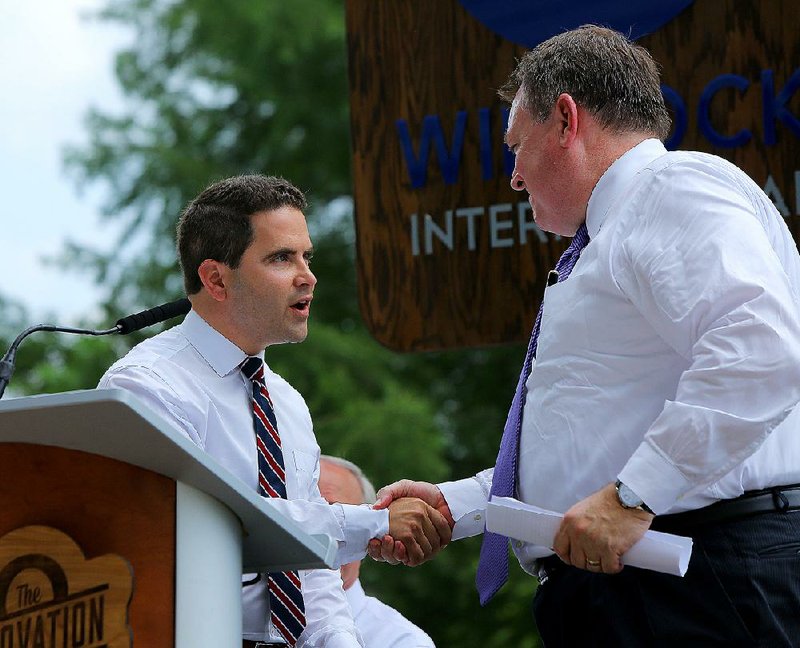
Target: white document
663, 552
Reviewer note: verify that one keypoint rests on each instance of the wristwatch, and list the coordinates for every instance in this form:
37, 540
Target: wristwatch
630, 500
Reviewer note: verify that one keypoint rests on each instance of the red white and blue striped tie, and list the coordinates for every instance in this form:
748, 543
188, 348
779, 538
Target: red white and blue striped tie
288, 613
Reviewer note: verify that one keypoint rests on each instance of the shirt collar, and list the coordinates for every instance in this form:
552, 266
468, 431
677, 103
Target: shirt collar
616, 178
222, 355
356, 597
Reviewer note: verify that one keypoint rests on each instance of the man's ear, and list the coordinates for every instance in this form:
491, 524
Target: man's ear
214, 276
566, 114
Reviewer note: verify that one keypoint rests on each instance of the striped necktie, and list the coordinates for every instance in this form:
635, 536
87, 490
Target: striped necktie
285, 594
493, 564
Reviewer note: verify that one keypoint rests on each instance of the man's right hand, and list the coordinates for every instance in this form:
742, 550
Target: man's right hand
418, 528
390, 549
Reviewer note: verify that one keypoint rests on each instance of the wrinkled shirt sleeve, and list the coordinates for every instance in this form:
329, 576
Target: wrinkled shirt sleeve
712, 287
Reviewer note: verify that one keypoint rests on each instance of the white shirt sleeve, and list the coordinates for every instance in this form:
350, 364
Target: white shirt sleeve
329, 621
352, 527
702, 271
158, 395
467, 499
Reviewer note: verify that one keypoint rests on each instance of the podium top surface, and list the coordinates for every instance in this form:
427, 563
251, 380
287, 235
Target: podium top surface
115, 424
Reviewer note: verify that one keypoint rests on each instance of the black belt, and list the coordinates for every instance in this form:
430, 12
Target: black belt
249, 643
780, 499
777, 499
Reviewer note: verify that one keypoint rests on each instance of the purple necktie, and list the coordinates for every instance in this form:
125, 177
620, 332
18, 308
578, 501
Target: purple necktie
493, 564
287, 609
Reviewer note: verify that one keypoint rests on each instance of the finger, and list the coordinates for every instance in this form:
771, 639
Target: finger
577, 556
400, 552
374, 549
612, 565
391, 492
415, 554
431, 534
419, 546
442, 527
561, 545
387, 550
594, 564
384, 499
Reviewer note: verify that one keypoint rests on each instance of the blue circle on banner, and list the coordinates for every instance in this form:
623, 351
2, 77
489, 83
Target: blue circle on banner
529, 22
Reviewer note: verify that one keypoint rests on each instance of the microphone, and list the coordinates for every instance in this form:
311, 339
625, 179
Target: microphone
123, 326
153, 315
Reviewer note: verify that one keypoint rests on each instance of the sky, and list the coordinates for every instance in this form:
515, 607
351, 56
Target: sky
54, 65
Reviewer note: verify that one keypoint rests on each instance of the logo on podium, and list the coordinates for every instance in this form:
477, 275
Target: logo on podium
51, 596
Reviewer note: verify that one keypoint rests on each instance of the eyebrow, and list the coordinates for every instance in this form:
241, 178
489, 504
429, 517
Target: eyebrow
288, 250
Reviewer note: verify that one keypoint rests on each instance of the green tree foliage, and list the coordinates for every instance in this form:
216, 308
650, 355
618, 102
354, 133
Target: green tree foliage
220, 88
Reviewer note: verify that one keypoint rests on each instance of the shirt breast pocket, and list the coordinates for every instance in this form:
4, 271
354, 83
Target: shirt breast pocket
305, 469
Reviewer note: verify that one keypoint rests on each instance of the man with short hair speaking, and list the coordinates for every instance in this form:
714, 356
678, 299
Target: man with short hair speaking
245, 252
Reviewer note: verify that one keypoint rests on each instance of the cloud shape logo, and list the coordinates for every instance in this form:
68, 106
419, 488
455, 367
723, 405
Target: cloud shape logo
529, 22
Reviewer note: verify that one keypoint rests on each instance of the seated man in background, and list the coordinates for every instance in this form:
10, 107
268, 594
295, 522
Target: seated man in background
381, 626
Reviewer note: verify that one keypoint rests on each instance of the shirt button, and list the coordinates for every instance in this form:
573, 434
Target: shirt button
519, 544
478, 517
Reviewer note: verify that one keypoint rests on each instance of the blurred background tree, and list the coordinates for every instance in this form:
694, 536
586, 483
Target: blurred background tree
216, 89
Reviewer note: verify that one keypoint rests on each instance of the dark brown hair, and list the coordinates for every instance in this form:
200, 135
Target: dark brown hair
216, 225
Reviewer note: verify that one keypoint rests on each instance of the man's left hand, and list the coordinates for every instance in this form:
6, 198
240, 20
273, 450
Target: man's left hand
598, 530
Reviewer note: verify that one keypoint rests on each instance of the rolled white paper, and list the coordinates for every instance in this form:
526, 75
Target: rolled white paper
663, 552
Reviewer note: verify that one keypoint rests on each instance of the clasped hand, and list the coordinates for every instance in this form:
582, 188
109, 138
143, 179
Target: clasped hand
420, 524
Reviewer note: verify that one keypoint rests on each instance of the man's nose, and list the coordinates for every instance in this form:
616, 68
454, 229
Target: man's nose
517, 183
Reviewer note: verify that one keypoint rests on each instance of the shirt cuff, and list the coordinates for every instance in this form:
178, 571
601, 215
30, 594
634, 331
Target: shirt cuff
467, 501
660, 494
360, 523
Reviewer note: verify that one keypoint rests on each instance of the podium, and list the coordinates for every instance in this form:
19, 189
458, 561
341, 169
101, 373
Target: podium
101, 469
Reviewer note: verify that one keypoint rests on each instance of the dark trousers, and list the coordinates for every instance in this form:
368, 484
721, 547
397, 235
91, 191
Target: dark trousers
742, 588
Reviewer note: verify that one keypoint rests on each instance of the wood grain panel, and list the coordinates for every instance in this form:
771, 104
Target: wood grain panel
415, 58
106, 507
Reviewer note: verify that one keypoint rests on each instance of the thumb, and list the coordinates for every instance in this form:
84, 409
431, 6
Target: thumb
391, 492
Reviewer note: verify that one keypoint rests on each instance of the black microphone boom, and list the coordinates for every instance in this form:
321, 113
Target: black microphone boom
124, 326
153, 315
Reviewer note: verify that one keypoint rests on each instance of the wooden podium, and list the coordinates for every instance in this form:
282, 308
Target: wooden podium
97, 471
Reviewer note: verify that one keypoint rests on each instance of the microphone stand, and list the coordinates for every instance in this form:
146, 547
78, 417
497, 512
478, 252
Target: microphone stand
123, 326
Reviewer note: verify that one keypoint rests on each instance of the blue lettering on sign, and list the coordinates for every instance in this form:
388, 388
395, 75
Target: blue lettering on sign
680, 119
449, 160
703, 119
774, 106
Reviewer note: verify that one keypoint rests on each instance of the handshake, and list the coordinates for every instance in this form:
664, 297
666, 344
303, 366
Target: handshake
420, 523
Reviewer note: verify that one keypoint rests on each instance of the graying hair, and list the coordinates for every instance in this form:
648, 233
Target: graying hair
368, 495
606, 73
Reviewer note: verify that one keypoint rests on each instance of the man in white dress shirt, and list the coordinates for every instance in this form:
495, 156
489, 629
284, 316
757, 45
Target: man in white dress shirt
245, 253
667, 372
380, 625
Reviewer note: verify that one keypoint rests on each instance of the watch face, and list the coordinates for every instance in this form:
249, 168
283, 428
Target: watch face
627, 497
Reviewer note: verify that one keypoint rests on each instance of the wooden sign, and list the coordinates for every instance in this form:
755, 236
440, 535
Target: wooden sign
52, 596
448, 255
